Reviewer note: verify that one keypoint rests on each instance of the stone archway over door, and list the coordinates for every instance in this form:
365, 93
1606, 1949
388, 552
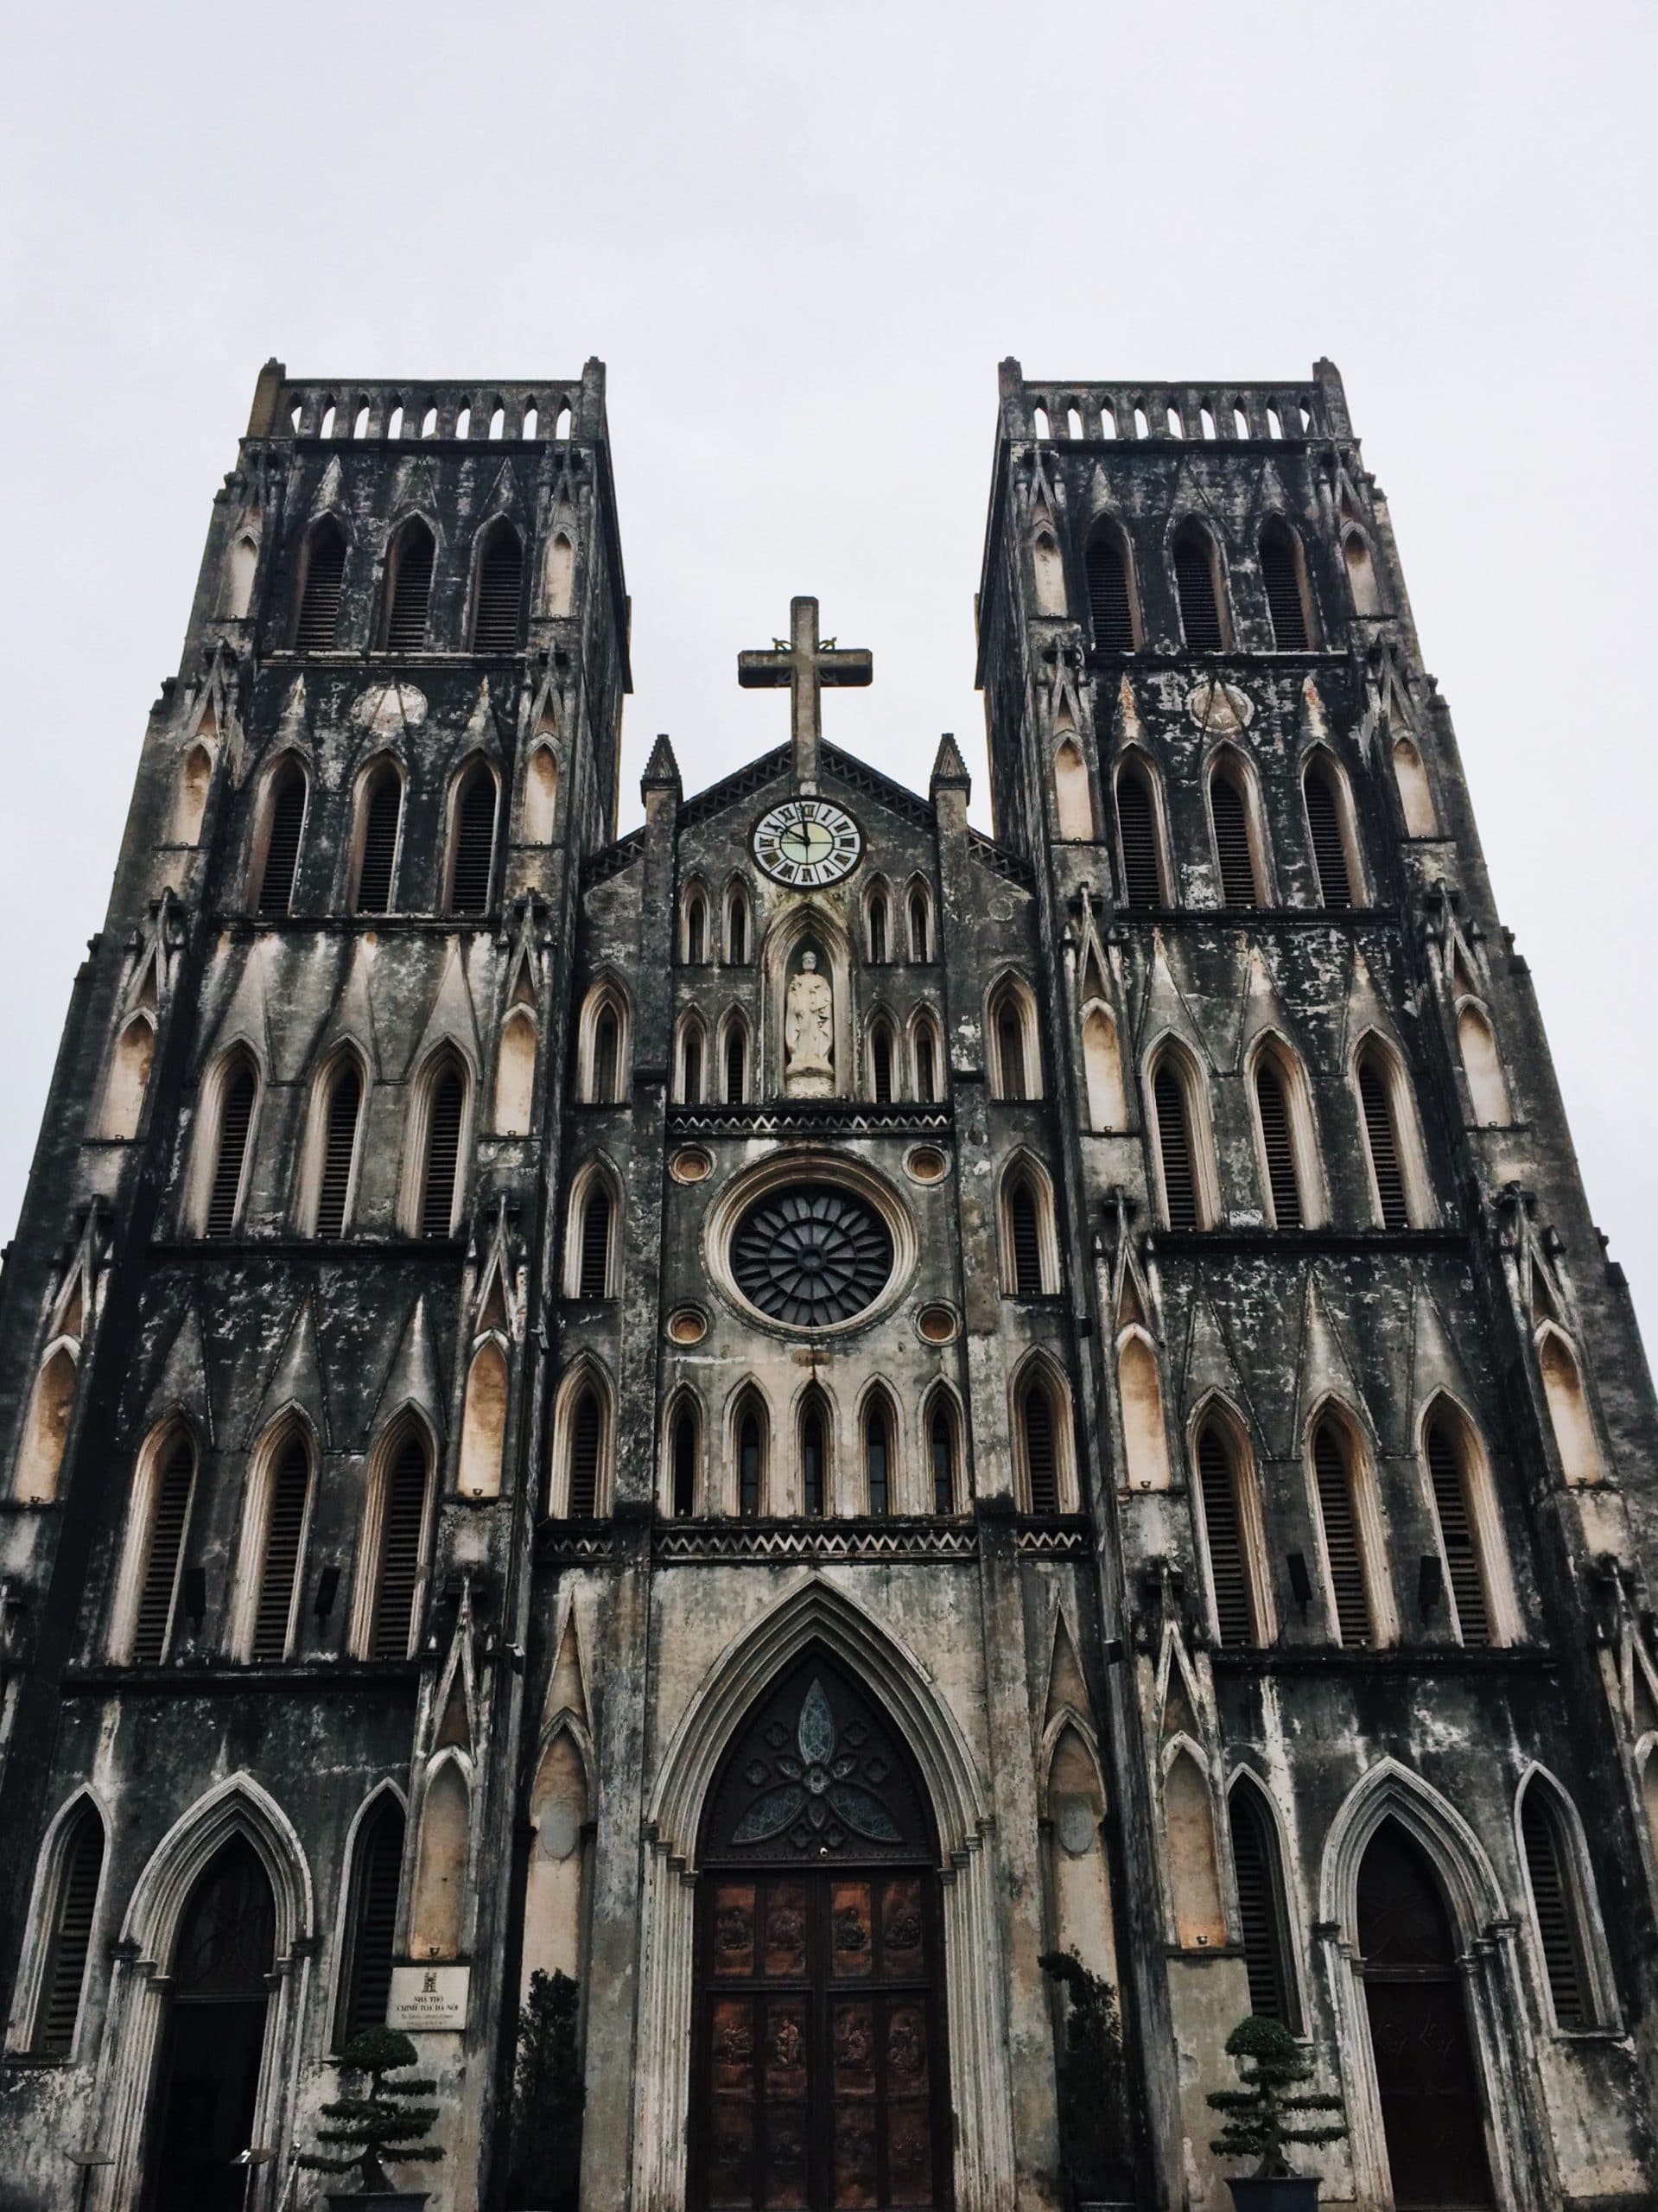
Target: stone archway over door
819, 2075
212, 2045
1427, 2078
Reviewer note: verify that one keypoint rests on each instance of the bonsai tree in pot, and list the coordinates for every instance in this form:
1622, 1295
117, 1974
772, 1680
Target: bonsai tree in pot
385, 2123
1263, 2117
1093, 2100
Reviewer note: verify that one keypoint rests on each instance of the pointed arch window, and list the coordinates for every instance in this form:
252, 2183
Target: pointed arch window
750, 1463
814, 1457
877, 929
941, 1454
736, 1063
372, 1920
72, 1907
1330, 831
1025, 1274
587, 1449
159, 1530
281, 1540
238, 1091
1230, 810
284, 826
473, 856
878, 1455
1111, 592
1557, 1906
1041, 1416
1197, 587
408, 587
1012, 1027
380, 812
446, 1110
1276, 1107
592, 1263
696, 937
602, 1042
1229, 1538
497, 613
881, 1062
691, 1062
737, 926
1455, 1510
1379, 1083
1140, 839
342, 1112
321, 587
683, 1457
926, 1060
1335, 1478
1283, 571
1178, 1136
1262, 1914
920, 909
399, 1556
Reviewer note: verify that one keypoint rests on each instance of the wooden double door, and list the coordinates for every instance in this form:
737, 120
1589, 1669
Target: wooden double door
821, 2081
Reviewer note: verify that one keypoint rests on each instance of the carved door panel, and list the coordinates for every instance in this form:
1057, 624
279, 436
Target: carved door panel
820, 2080
1430, 2101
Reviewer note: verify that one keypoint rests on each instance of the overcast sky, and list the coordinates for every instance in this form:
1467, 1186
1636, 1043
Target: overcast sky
802, 239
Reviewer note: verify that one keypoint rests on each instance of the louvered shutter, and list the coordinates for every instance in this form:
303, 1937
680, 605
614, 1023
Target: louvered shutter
442, 1153
1232, 843
1224, 1538
1329, 850
1137, 829
1108, 595
1336, 1511
235, 1119
876, 1464
1552, 1894
1255, 1861
586, 1431
1276, 1144
748, 1467
281, 844
736, 1065
737, 933
402, 1529
595, 1243
1194, 577
279, 1571
881, 1065
339, 1150
500, 592
1381, 1136
65, 1973
1281, 574
325, 579
606, 1055
943, 1465
1010, 1053
1041, 1460
411, 591
1025, 1234
380, 825
169, 1515
1174, 1147
1456, 1535
474, 843
692, 1069
377, 1877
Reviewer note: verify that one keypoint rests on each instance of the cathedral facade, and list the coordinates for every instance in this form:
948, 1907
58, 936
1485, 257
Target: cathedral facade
790, 1414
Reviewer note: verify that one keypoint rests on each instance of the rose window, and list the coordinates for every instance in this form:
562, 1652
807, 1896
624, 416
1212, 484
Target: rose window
812, 1256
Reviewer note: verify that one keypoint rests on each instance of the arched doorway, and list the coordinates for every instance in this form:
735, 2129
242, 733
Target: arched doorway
213, 2040
820, 2077
1426, 2074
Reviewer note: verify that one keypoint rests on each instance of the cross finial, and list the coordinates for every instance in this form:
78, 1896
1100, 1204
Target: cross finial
805, 666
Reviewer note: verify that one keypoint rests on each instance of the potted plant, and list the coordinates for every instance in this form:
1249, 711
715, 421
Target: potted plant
1092, 2096
546, 2172
1262, 2117
385, 2124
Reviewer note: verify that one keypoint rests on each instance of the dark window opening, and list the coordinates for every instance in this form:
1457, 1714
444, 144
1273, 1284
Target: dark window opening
1109, 600
500, 592
586, 1432
339, 1150
877, 1464
1456, 1535
445, 1114
1277, 1143
1235, 1611
169, 1515
382, 814
748, 1467
286, 824
942, 1443
1025, 1232
1041, 1450
1382, 1137
1338, 1512
811, 1461
1329, 847
290, 1491
1174, 1148
474, 842
235, 1120
1194, 580
403, 1528
1260, 1908
1232, 843
1142, 882
685, 1466
324, 587
1280, 571
376, 1875
411, 590
69, 1947
595, 1275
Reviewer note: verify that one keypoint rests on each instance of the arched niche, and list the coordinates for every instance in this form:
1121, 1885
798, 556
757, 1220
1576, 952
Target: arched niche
51, 1404
560, 569
1194, 1860
540, 796
1144, 1433
1049, 570
1488, 1088
1073, 801
129, 1077
554, 1906
515, 1074
195, 773
483, 1423
437, 1910
1108, 1104
805, 926
1415, 795
1568, 1407
1078, 1875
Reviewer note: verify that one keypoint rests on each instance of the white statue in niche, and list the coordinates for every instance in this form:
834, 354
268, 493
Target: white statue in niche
809, 1033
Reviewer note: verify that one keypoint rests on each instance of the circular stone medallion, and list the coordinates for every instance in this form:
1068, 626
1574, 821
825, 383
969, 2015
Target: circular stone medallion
811, 1255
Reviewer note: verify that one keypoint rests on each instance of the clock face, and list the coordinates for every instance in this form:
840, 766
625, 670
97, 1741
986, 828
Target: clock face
806, 843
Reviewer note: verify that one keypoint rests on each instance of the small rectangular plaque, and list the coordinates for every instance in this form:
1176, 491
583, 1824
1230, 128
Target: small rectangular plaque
427, 1997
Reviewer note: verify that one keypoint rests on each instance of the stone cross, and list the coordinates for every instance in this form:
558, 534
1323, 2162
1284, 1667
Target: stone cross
805, 666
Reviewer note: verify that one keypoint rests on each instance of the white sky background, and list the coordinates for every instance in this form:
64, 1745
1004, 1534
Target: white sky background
802, 239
